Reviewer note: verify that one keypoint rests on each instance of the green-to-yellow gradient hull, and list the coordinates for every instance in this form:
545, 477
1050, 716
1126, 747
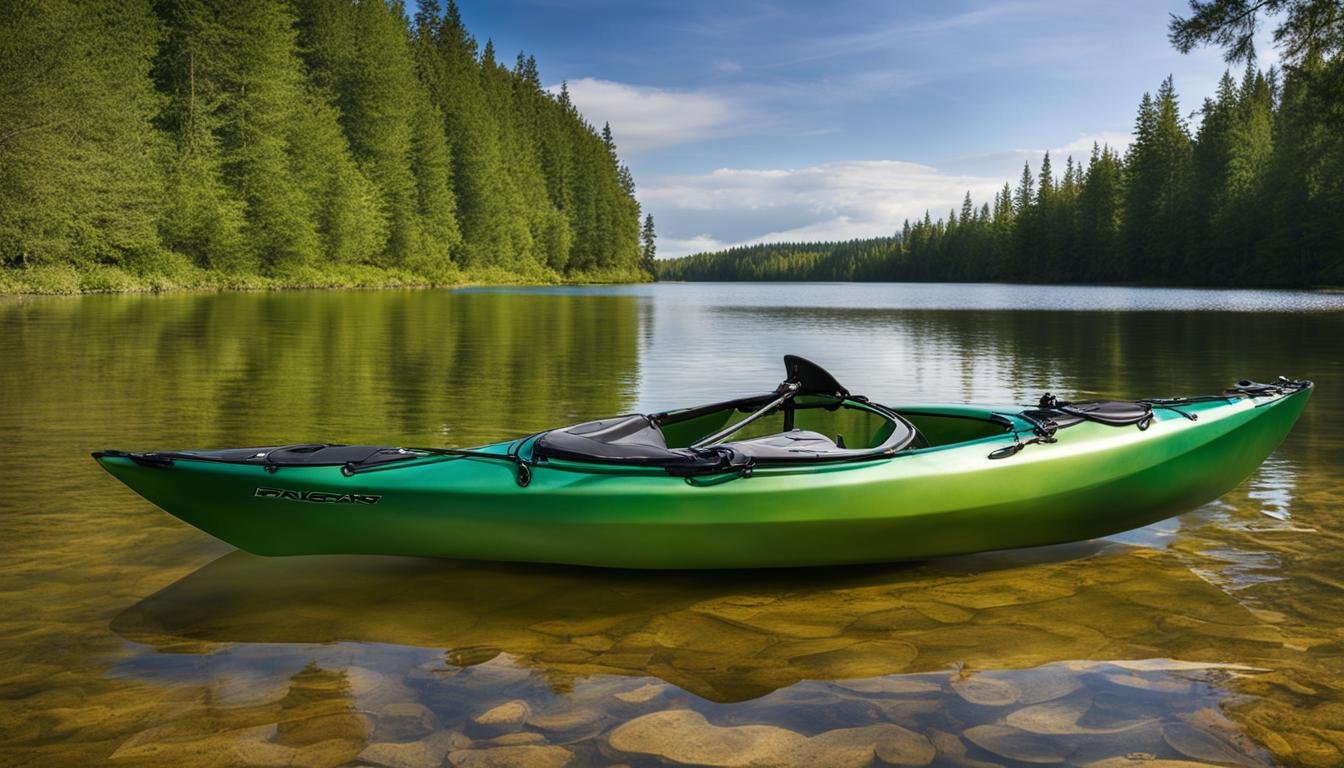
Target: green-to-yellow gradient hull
920, 503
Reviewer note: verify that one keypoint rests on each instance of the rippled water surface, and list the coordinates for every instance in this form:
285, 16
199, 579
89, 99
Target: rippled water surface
128, 638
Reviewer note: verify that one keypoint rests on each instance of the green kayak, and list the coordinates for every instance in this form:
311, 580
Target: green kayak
807, 474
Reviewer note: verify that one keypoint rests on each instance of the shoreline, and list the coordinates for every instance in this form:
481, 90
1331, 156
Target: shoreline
64, 280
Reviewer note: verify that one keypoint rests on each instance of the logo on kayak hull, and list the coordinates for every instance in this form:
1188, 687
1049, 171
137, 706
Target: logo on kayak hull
316, 497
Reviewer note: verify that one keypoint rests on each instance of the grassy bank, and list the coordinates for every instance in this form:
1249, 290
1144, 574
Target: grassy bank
63, 279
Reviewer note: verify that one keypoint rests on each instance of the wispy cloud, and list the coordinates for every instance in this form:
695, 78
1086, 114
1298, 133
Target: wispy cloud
903, 33
832, 201
1008, 163
644, 118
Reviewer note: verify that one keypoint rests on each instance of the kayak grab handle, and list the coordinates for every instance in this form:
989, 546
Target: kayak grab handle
1006, 451
1018, 445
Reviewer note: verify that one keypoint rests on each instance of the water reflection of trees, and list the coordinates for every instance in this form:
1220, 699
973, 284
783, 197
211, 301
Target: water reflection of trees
1101, 353
403, 366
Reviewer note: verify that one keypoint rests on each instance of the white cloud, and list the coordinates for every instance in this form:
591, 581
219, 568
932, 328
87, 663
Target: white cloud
833, 201
831, 230
643, 117
1081, 147
671, 247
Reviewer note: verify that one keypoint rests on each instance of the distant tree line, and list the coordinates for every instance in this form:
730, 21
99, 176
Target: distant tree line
295, 138
1253, 196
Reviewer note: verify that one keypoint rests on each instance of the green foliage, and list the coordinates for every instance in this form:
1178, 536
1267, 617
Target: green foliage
1158, 167
1254, 198
1307, 30
291, 142
79, 180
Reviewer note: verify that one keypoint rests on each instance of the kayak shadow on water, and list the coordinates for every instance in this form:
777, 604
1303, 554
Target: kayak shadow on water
723, 636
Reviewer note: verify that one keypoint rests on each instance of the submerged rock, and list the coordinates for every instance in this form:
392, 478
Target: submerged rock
1016, 744
426, 753
1061, 718
951, 750
899, 746
570, 719
470, 656
891, 684
683, 736
372, 689
517, 738
1046, 683
529, 756
404, 721
260, 746
643, 693
508, 713
1202, 745
1173, 686
986, 691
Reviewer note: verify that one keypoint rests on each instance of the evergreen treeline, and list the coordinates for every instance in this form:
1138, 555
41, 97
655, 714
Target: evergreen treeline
292, 142
1254, 195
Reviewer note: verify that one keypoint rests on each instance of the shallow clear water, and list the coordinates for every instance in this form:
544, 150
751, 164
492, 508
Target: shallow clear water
130, 638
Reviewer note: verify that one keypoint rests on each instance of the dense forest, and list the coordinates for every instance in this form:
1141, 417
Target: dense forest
1253, 195
292, 142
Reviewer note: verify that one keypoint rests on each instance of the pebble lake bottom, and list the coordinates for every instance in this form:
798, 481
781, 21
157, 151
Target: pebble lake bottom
129, 638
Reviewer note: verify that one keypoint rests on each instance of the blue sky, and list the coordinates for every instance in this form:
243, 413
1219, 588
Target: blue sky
758, 121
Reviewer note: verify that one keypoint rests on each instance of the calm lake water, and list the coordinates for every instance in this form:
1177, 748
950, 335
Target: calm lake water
129, 638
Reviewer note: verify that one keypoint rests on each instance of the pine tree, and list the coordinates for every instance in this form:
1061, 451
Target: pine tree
263, 77
363, 55
205, 218
1158, 173
648, 247
1069, 187
1045, 186
1100, 203
486, 203
1024, 195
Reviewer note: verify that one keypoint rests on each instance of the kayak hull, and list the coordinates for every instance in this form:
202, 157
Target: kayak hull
1094, 481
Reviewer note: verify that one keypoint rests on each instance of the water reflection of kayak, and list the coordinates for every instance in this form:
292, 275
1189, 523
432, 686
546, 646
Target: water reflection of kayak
808, 474
722, 639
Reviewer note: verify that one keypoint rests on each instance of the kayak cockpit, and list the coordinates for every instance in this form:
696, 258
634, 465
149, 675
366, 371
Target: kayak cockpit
809, 418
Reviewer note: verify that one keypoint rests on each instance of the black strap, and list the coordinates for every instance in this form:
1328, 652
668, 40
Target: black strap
522, 467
